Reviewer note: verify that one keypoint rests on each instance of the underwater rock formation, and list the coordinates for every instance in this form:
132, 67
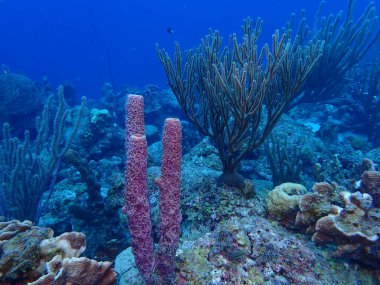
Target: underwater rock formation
100, 136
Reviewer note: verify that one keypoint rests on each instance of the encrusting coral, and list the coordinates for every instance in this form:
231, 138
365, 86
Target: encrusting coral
77, 270
354, 228
370, 184
19, 248
313, 206
12, 228
70, 244
31, 254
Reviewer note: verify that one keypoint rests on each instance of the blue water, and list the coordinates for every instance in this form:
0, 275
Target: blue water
92, 42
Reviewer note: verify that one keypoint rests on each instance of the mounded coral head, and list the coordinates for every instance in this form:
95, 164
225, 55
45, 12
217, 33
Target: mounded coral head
18, 95
283, 200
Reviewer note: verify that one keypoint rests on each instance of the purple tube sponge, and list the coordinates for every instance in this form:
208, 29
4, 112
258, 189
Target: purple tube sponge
137, 205
136, 189
169, 184
134, 120
136, 194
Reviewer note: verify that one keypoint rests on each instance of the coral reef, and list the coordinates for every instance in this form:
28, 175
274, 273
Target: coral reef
202, 210
251, 250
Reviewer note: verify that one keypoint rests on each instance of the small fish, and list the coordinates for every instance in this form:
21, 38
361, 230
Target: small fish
170, 30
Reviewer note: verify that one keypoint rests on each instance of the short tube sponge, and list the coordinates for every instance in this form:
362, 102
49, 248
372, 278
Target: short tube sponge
134, 120
169, 184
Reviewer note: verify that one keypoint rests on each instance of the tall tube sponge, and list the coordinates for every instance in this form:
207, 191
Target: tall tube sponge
137, 200
170, 188
136, 189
